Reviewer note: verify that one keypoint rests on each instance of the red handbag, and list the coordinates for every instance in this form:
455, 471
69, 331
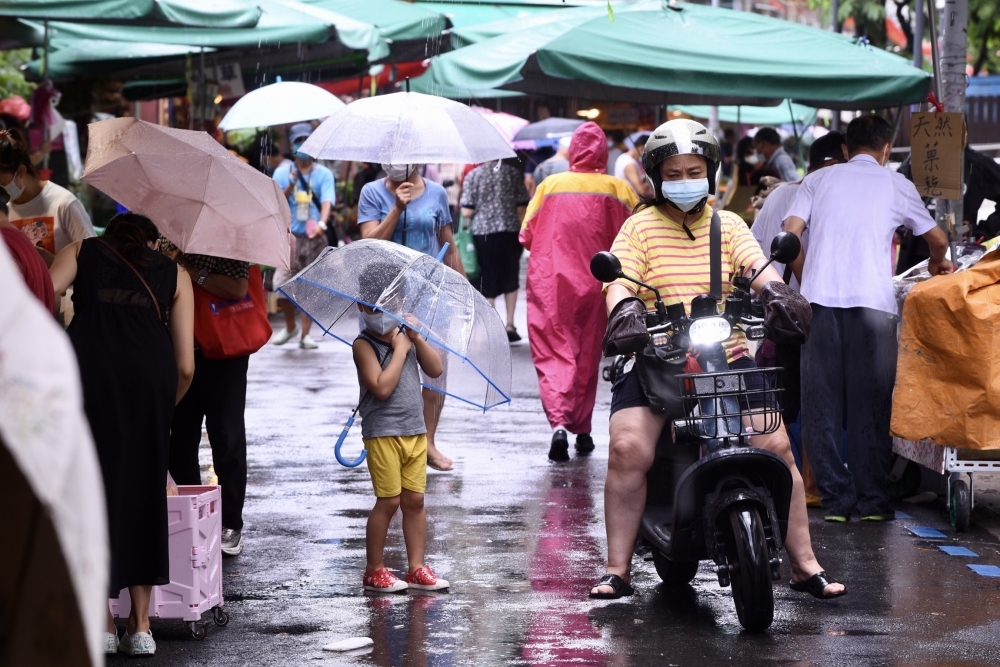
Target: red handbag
225, 329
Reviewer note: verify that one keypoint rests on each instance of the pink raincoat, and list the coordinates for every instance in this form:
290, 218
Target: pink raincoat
572, 216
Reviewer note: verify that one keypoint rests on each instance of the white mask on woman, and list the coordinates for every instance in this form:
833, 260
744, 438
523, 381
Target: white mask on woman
398, 172
12, 188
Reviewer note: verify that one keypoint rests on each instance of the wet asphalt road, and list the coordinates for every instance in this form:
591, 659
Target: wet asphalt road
521, 540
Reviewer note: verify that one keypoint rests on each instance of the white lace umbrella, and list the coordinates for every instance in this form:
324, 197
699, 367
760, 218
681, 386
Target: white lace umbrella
407, 128
54, 523
200, 196
281, 103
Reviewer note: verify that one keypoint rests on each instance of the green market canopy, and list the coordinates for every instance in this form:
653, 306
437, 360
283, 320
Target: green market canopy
751, 115
214, 14
660, 53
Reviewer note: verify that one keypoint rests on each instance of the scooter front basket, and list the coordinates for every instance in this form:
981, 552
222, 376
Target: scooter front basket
732, 403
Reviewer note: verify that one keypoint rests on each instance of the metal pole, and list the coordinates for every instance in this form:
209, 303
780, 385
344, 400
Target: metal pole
713, 111
954, 47
204, 90
835, 26
918, 34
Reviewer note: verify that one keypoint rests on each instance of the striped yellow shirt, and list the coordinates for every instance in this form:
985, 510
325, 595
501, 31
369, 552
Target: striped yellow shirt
658, 251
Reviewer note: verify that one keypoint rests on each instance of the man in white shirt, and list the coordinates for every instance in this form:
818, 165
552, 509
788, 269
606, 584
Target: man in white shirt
828, 150
851, 212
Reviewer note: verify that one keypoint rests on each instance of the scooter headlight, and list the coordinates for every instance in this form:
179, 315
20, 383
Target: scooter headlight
708, 330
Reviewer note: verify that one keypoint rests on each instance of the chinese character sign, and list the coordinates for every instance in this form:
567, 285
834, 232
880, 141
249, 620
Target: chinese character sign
230, 81
936, 143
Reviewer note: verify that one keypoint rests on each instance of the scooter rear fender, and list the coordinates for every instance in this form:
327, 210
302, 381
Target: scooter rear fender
726, 476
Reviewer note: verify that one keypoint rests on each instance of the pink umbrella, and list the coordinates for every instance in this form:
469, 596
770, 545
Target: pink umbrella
504, 123
202, 198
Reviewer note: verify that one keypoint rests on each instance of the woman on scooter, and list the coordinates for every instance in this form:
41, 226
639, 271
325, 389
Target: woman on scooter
665, 244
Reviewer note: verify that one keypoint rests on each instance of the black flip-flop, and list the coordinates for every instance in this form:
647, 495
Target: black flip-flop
512, 335
620, 587
815, 586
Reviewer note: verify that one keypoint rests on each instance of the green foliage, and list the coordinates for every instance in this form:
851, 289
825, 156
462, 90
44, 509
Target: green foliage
984, 35
11, 80
869, 19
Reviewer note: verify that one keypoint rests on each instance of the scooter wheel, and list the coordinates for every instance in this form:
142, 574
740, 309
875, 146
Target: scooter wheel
750, 573
674, 572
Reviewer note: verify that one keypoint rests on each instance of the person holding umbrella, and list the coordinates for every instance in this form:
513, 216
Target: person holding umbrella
410, 210
311, 194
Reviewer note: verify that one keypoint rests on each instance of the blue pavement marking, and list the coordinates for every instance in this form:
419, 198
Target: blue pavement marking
902, 515
928, 532
959, 551
985, 570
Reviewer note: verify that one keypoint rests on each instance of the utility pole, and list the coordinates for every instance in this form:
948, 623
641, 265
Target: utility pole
835, 18
918, 33
954, 47
713, 111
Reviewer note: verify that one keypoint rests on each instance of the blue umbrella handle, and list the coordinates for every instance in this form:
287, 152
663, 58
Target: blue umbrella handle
444, 251
340, 442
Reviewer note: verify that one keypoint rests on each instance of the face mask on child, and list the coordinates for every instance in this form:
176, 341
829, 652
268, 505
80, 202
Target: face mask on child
379, 322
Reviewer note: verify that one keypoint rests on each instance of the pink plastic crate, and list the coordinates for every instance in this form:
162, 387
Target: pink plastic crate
194, 523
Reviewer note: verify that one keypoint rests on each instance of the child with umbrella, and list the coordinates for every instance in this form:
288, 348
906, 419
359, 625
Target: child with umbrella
393, 430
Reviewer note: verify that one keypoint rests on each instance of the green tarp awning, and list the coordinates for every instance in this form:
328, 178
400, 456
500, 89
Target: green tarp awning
396, 19
776, 115
283, 21
466, 13
686, 54
213, 14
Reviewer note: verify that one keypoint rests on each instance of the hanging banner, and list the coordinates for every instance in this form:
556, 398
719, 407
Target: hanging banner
936, 144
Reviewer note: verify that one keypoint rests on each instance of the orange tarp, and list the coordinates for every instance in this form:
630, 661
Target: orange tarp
948, 377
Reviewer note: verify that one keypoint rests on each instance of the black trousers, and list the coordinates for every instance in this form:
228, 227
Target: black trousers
849, 364
218, 396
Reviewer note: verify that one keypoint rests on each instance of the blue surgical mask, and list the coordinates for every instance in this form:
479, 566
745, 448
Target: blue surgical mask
379, 322
685, 194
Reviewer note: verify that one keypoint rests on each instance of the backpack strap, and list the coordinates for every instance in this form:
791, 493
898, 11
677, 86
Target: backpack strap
715, 256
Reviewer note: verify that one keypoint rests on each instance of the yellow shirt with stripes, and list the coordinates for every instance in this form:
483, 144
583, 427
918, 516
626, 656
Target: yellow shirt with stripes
658, 251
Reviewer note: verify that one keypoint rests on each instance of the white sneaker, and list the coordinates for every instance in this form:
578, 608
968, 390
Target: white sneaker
284, 336
111, 643
141, 643
307, 343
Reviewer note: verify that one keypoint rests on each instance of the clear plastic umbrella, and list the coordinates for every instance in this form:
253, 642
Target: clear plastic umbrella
281, 103
402, 282
407, 128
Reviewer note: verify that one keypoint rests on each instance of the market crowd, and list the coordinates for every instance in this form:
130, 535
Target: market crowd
128, 297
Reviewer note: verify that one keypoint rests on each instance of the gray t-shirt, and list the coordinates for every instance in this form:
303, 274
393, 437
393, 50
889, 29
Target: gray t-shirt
401, 414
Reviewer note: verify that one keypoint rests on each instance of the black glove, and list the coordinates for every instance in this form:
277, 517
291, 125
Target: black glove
787, 315
626, 328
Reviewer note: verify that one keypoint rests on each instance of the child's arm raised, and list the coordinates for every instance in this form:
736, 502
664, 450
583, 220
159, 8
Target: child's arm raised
428, 358
381, 382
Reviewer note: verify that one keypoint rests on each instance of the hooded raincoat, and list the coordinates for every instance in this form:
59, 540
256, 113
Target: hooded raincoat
572, 216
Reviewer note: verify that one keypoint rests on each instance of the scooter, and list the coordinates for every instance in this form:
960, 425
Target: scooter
710, 495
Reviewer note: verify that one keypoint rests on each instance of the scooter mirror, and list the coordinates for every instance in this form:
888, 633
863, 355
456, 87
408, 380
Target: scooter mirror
785, 247
605, 267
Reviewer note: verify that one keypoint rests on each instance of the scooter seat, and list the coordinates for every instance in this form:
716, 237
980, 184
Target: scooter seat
657, 522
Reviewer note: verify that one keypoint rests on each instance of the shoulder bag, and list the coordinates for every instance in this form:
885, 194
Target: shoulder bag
226, 329
658, 367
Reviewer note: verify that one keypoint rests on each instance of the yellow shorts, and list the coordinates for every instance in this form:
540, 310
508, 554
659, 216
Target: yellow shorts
397, 462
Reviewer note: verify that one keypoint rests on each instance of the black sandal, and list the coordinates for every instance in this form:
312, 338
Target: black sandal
620, 586
815, 586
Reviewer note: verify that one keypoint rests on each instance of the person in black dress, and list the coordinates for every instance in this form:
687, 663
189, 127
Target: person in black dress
134, 341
